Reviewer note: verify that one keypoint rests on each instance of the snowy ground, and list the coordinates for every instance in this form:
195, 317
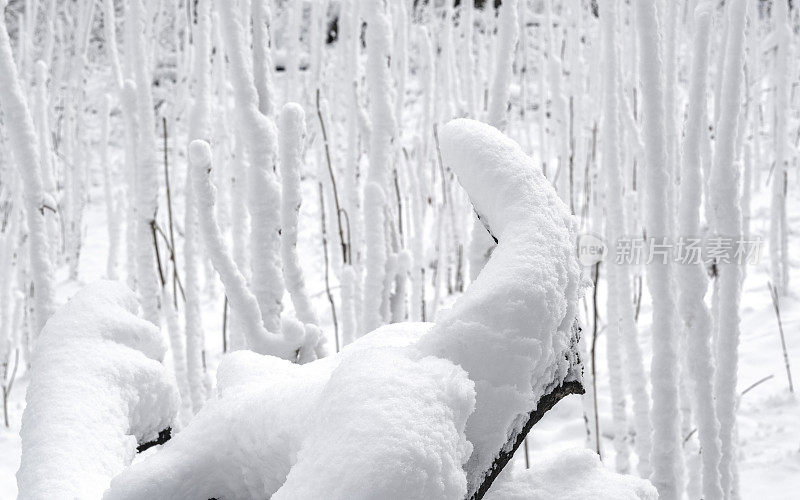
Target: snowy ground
769, 434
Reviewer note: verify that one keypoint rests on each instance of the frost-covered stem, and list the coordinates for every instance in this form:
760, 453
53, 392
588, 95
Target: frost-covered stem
49, 32
325, 260
400, 62
292, 130
467, 57
381, 116
375, 256
775, 305
666, 455
23, 142
112, 212
177, 345
41, 118
291, 46
110, 33
262, 56
508, 29
265, 264
620, 312
481, 244
692, 280
725, 203
128, 101
147, 169
346, 252
259, 135
242, 300
199, 129
779, 268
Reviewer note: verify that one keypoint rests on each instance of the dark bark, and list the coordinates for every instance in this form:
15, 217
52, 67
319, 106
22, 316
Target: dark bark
547, 402
163, 437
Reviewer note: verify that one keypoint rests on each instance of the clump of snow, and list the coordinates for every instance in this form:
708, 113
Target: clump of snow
576, 473
398, 430
97, 388
241, 443
512, 329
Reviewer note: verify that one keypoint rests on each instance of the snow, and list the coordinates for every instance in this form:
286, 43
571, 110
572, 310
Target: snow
574, 473
514, 358
97, 388
266, 422
399, 430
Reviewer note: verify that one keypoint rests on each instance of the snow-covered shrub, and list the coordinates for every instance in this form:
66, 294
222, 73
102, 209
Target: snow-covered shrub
98, 389
412, 410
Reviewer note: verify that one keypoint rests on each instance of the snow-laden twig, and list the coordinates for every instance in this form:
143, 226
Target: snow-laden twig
776, 305
260, 141
778, 228
112, 206
242, 300
22, 137
508, 29
291, 133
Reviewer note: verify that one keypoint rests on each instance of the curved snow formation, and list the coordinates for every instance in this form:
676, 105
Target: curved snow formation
97, 388
512, 331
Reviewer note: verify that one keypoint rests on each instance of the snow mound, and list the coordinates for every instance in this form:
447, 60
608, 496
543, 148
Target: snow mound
387, 425
576, 473
512, 330
97, 389
245, 440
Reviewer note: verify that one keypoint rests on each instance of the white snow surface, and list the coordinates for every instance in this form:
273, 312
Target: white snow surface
97, 388
573, 473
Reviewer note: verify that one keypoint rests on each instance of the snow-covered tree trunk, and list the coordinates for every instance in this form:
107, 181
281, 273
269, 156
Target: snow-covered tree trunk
381, 117
200, 129
146, 167
42, 120
243, 302
112, 211
666, 456
725, 203
22, 138
259, 136
262, 56
619, 311
291, 133
692, 280
779, 259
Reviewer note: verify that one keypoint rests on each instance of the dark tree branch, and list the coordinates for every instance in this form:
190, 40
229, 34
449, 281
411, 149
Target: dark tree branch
546, 403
